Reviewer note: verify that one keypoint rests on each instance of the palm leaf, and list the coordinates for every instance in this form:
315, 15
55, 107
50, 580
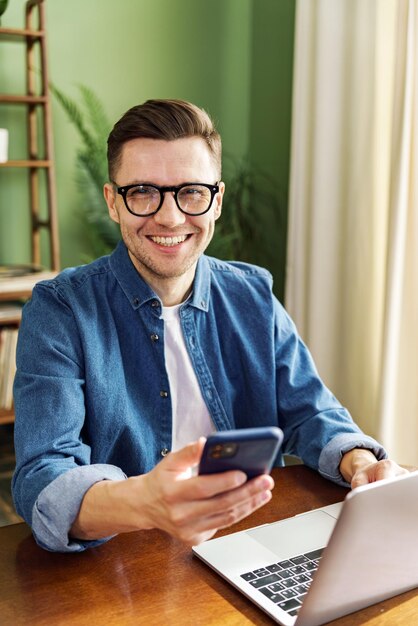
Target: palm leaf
92, 125
75, 115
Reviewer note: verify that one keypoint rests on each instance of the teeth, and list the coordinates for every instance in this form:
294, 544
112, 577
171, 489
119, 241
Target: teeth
169, 241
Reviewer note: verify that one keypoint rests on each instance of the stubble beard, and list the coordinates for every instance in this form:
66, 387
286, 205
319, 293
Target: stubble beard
147, 266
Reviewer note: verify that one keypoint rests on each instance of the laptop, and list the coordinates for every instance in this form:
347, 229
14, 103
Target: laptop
329, 562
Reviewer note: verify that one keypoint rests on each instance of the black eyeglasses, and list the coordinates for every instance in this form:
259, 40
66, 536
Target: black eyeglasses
145, 200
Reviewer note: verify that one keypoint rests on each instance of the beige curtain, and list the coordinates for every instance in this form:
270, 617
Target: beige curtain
352, 267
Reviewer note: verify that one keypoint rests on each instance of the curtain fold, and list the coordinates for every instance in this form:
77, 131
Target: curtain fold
352, 267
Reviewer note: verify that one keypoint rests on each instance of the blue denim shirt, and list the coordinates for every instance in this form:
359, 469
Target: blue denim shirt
92, 396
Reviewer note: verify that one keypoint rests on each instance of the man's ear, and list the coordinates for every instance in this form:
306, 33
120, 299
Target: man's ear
110, 197
218, 201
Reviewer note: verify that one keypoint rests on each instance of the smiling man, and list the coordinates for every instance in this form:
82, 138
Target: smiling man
166, 231
125, 365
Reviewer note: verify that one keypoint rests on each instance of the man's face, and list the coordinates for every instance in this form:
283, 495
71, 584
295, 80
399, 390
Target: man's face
165, 163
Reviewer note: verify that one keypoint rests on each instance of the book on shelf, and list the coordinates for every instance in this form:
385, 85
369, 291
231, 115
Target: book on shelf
8, 342
20, 286
10, 311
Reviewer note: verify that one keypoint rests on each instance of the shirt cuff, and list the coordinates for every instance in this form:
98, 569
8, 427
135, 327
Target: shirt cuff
331, 455
58, 504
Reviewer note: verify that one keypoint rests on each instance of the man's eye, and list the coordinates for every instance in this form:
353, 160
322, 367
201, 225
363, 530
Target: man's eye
141, 191
193, 191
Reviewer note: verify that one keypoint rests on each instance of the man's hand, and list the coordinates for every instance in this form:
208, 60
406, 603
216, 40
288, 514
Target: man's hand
360, 467
194, 508
190, 508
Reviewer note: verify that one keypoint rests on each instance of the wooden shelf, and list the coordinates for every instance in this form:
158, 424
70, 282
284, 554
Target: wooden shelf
31, 164
10, 320
6, 417
17, 286
20, 287
20, 34
10, 99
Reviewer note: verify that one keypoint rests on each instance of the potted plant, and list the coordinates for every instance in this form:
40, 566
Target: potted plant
4, 141
93, 127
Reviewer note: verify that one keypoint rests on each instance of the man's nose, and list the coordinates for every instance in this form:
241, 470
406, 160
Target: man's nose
169, 213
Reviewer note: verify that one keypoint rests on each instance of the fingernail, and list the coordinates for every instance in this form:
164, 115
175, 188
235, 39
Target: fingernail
264, 483
240, 478
266, 496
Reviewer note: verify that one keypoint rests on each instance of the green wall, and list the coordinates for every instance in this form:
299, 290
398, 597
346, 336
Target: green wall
233, 57
270, 111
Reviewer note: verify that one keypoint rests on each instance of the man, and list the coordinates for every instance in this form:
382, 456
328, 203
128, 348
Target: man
126, 364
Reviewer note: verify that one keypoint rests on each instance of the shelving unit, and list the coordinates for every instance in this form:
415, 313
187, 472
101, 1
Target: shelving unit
39, 158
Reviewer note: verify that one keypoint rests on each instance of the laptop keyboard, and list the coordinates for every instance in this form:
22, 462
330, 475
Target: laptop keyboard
286, 583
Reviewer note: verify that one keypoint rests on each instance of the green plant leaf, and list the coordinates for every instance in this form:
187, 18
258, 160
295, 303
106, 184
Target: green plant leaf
92, 125
3, 7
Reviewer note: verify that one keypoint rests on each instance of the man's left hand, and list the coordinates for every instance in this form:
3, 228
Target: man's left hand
360, 467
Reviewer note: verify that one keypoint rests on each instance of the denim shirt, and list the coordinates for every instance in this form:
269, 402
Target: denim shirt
92, 396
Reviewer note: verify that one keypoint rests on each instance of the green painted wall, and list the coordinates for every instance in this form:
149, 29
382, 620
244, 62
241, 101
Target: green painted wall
271, 102
233, 57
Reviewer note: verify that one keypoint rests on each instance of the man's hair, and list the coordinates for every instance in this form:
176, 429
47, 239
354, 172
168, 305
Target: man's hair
163, 119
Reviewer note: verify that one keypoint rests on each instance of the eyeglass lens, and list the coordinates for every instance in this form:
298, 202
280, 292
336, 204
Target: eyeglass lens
145, 199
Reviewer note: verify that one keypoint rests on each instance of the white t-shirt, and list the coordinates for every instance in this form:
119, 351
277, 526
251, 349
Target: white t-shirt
191, 417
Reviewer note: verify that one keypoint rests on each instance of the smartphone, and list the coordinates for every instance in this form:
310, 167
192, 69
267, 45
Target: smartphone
251, 450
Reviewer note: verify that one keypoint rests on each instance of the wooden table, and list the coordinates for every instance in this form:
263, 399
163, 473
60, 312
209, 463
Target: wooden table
146, 577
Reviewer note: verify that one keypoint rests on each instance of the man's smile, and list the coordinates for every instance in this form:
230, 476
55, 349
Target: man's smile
169, 241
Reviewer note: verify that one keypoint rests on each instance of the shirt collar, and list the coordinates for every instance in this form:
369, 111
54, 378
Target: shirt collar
139, 292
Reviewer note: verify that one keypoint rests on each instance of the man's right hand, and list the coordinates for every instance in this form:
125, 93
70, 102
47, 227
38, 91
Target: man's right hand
190, 508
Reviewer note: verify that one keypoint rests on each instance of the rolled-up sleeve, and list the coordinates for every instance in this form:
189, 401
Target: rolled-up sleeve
333, 452
58, 504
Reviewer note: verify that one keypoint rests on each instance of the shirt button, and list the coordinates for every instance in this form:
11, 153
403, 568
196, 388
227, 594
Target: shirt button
154, 337
164, 394
135, 301
155, 303
164, 451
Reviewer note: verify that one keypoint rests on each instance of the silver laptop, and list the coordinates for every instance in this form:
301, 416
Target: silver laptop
323, 564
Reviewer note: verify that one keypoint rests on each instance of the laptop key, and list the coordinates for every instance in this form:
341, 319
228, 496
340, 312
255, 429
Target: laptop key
297, 570
274, 597
298, 560
315, 554
248, 576
311, 566
262, 571
289, 593
274, 567
289, 582
285, 564
294, 612
286, 573
288, 605
276, 587
263, 582
302, 578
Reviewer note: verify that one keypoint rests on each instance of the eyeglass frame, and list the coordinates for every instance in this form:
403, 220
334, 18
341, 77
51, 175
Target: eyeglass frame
214, 189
